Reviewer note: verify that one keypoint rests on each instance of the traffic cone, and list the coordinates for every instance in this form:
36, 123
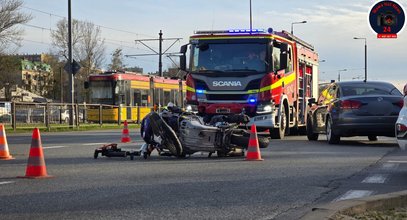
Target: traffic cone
253, 150
4, 153
125, 134
36, 164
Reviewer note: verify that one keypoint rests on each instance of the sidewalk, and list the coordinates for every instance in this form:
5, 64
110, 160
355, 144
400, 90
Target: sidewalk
391, 205
347, 208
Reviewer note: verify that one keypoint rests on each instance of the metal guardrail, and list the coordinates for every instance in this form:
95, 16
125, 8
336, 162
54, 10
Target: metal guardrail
48, 115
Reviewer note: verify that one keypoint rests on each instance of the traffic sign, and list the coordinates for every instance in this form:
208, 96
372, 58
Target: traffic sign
75, 67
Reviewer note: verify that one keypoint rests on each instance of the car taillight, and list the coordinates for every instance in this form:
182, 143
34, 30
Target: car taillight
190, 83
265, 88
350, 104
400, 103
401, 127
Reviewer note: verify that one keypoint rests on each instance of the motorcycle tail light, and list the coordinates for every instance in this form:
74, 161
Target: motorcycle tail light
350, 104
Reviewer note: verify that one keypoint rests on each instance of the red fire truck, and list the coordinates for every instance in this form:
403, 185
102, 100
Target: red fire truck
267, 75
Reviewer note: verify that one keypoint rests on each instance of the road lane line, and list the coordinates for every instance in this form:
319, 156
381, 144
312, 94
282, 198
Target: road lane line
6, 182
53, 147
353, 194
377, 178
90, 144
397, 161
389, 166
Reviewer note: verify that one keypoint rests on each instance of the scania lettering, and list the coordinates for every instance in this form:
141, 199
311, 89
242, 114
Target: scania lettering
226, 83
269, 75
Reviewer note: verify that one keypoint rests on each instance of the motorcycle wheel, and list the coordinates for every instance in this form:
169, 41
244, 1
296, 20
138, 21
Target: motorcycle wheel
162, 129
243, 140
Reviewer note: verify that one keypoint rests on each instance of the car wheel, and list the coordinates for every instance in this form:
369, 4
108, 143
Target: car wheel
372, 138
310, 134
280, 132
331, 137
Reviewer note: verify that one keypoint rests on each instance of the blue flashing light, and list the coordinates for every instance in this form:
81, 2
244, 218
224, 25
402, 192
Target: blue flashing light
239, 31
199, 91
252, 100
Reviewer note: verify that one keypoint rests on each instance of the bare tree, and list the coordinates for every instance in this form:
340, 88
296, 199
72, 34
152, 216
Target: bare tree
87, 45
10, 17
10, 74
117, 60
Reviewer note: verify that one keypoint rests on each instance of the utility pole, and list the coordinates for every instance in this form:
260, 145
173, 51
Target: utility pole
160, 53
71, 79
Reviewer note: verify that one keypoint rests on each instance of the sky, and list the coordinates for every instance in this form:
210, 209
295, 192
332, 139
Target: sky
331, 27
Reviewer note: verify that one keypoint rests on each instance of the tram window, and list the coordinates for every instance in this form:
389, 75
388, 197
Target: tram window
144, 97
167, 97
137, 98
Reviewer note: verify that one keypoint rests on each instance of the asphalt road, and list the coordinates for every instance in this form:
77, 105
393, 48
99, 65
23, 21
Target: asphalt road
295, 175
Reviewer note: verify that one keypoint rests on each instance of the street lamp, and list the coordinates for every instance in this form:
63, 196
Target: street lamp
339, 74
300, 22
363, 38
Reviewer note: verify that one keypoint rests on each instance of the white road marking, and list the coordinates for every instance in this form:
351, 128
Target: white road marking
377, 178
90, 144
389, 166
6, 182
53, 147
353, 194
397, 161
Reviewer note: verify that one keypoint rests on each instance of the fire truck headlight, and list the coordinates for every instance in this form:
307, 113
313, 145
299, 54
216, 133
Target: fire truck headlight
261, 109
188, 108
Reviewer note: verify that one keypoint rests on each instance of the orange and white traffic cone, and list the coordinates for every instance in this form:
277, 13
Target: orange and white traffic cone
125, 134
4, 153
36, 164
253, 150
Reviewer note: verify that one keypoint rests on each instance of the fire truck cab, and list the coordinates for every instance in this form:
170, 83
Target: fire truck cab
267, 75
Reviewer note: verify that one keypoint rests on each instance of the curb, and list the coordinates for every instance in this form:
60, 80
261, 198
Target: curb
357, 206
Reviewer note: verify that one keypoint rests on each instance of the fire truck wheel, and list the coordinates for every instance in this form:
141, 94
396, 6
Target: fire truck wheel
280, 132
310, 134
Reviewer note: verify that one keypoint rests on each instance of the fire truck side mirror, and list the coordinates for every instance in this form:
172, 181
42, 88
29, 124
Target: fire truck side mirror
86, 85
183, 62
283, 56
183, 58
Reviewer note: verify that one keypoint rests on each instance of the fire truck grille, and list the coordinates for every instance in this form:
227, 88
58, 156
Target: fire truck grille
229, 97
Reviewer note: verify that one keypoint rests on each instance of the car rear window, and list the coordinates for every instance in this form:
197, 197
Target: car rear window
369, 89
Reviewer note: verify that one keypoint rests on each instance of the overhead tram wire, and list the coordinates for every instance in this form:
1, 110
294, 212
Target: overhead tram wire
101, 26
106, 40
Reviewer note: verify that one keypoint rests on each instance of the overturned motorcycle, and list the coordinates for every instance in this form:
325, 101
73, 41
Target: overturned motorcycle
186, 133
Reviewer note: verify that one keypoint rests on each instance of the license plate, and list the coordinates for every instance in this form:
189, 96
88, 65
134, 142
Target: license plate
222, 110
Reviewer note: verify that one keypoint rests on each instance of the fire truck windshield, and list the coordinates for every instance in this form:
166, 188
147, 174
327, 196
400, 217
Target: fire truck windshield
229, 57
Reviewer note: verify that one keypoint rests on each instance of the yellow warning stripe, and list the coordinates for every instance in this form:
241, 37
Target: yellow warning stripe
190, 89
287, 80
